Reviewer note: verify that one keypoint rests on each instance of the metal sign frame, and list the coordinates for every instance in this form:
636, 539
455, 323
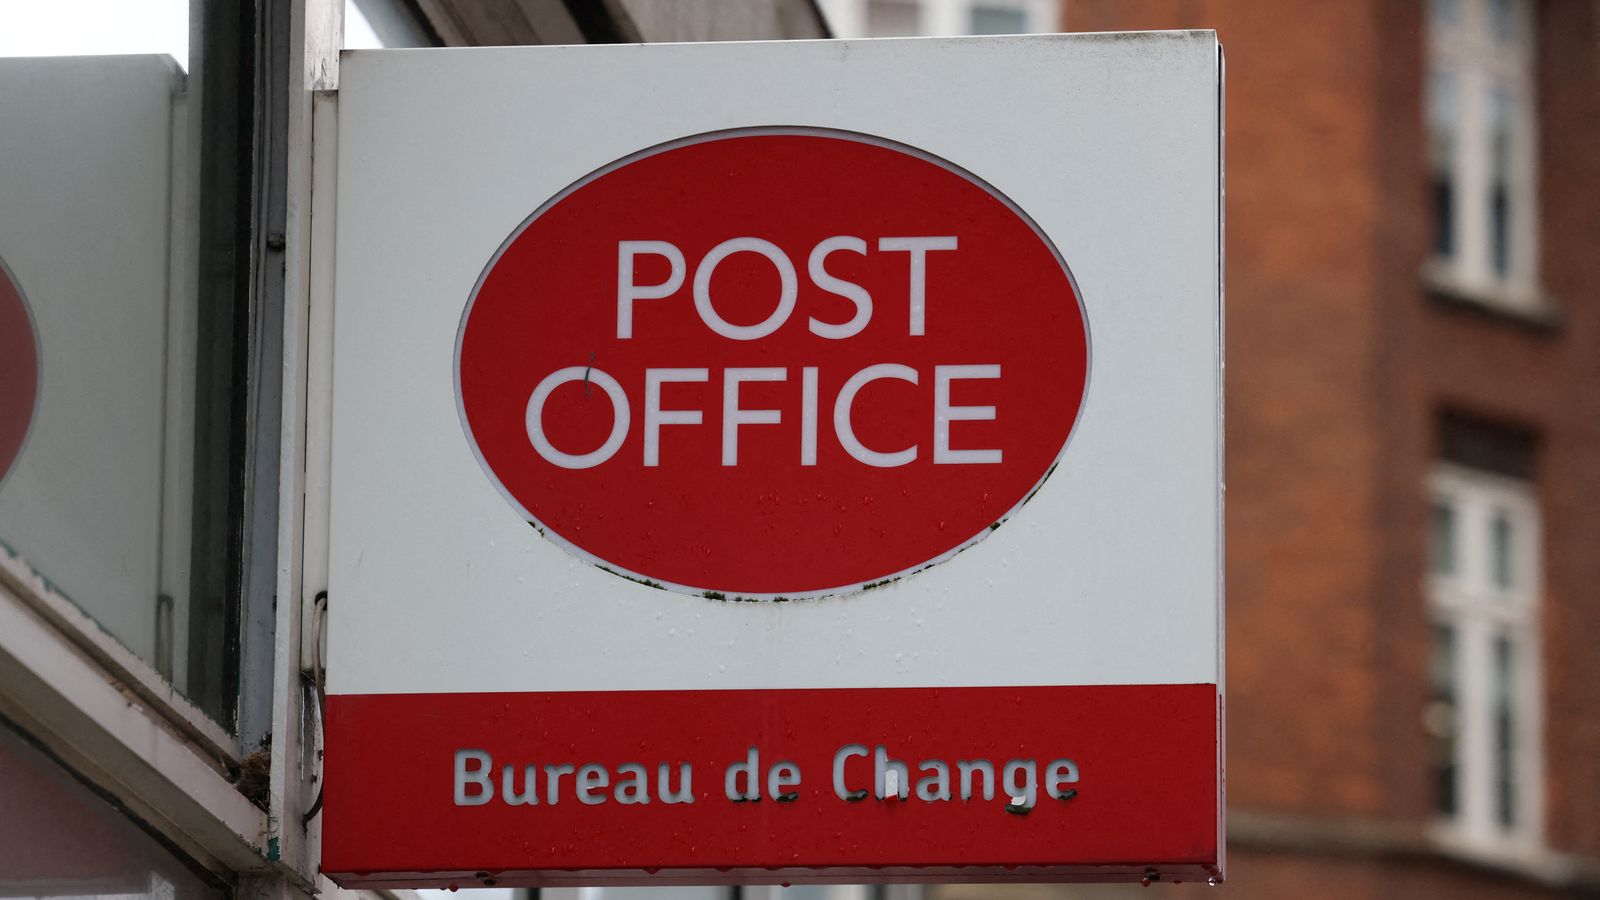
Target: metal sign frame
1064, 674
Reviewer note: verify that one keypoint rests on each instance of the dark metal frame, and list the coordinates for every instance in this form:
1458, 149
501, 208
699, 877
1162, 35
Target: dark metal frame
244, 83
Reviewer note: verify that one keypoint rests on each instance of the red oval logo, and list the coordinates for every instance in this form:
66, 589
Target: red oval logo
772, 363
19, 371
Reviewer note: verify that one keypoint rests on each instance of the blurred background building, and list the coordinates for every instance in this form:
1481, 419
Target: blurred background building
1413, 413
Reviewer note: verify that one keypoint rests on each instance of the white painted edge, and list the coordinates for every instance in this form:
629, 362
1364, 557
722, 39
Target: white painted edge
321, 30
294, 771
318, 423
1222, 465
138, 677
178, 399
319, 378
94, 720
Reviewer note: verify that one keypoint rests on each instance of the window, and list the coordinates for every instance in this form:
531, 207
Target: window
1483, 710
136, 130
906, 18
1481, 150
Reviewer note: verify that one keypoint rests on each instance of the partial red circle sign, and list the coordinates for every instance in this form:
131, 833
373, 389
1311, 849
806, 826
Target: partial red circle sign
772, 363
19, 372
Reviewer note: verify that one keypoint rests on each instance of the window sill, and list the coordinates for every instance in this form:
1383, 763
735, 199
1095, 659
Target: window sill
1537, 312
1516, 857
1387, 839
57, 689
121, 666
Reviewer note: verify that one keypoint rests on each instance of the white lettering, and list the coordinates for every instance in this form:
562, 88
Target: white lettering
1023, 793
918, 247
619, 413
747, 772
552, 782
1059, 772
685, 790
944, 414
628, 291
592, 778
841, 416
839, 758
780, 778
981, 766
855, 293
935, 782
788, 288
475, 776
808, 416
889, 775
529, 795
655, 416
634, 789
733, 416
592, 783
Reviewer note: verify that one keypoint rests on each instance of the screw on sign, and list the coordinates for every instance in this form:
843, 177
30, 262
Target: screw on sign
772, 363
19, 371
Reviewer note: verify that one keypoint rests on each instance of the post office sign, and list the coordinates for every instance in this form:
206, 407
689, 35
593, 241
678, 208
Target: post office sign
777, 462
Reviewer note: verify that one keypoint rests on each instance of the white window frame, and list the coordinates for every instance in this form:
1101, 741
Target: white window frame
1466, 48
848, 18
1469, 600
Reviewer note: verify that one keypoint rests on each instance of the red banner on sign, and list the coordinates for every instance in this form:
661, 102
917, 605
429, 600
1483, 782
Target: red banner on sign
781, 785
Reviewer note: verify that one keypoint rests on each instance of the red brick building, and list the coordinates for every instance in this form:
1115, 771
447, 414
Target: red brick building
1413, 240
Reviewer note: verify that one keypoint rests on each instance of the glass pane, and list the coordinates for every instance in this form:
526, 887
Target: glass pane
1505, 781
1443, 124
58, 839
122, 235
1501, 149
893, 18
988, 19
1441, 721
1443, 538
1500, 540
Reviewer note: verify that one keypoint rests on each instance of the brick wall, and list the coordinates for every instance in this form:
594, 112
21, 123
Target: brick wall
1569, 87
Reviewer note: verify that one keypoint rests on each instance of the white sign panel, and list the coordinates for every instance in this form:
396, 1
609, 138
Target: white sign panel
777, 462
